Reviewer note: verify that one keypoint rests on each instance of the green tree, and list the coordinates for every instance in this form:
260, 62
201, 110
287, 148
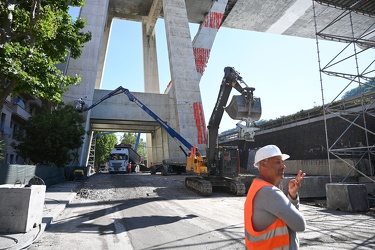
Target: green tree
52, 138
131, 138
367, 87
2, 149
104, 144
142, 148
35, 36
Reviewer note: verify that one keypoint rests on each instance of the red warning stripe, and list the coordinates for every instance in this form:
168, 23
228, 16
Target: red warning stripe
213, 20
201, 58
199, 122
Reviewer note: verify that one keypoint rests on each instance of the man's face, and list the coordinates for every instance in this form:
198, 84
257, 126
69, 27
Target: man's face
275, 168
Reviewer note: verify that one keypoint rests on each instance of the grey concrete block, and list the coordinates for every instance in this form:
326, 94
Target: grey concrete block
312, 186
321, 167
347, 197
21, 207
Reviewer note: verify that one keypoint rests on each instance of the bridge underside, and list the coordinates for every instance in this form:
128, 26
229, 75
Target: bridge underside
292, 17
124, 126
119, 114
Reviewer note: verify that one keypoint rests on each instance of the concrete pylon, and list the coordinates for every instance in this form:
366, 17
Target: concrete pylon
151, 82
87, 65
186, 102
205, 37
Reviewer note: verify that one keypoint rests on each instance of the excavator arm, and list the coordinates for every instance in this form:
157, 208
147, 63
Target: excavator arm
244, 106
81, 107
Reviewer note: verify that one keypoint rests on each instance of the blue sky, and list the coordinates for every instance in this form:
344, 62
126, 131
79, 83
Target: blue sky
283, 70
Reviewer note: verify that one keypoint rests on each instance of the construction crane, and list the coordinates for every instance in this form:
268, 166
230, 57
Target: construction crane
81, 107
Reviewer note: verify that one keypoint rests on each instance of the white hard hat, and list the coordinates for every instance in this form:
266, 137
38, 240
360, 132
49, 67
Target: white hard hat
268, 152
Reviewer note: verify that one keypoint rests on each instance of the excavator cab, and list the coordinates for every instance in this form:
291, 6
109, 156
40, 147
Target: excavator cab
228, 161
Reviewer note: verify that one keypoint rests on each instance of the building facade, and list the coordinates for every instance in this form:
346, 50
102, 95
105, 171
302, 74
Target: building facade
16, 111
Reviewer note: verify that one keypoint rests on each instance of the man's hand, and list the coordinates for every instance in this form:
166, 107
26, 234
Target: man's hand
295, 184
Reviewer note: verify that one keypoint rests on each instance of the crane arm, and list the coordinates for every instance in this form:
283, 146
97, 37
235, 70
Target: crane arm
80, 106
137, 142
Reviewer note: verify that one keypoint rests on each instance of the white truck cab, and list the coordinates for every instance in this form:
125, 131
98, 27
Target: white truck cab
118, 160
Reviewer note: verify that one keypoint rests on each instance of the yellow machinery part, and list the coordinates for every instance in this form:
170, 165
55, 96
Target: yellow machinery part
195, 163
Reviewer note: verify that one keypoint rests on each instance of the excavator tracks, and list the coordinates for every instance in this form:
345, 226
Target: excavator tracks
237, 188
199, 185
204, 185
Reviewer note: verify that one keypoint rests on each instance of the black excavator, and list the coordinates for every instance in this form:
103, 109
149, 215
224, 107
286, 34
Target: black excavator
219, 168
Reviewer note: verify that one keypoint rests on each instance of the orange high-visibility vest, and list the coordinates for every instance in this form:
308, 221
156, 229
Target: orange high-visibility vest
276, 236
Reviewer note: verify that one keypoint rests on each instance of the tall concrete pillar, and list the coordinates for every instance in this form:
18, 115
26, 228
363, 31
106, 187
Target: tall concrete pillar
151, 83
205, 37
103, 52
186, 103
150, 62
160, 140
95, 13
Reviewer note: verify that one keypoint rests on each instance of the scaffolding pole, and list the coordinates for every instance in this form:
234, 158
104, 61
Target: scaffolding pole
357, 40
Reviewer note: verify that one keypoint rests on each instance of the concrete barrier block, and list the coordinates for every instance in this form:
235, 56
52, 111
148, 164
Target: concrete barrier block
320, 167
312, 187
21, 207
347, 197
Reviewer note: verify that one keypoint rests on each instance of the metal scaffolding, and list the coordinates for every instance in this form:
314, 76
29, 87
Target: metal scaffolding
357, 40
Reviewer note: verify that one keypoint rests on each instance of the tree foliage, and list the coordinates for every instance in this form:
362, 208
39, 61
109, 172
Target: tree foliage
104, 144
52, 138
35, 36
2, 149
131, 138
367, 87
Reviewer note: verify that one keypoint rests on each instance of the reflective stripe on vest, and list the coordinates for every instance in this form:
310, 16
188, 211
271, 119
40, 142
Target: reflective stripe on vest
276, 236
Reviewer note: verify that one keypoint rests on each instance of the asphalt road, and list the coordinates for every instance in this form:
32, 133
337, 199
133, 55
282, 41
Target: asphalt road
143, 211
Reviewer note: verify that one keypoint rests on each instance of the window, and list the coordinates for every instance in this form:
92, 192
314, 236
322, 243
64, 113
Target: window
15, 129
2, 121
17, 100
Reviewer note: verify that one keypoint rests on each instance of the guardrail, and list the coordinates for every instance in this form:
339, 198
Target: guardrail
346, 104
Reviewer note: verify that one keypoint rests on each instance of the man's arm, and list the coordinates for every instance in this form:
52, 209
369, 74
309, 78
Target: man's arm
274, 202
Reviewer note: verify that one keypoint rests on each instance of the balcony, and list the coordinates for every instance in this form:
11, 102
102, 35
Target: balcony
31, 100
19, 113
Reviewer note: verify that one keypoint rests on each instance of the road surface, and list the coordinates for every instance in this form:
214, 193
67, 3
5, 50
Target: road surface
143, 211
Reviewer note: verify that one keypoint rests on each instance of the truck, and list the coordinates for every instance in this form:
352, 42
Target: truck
120, 157
218, 168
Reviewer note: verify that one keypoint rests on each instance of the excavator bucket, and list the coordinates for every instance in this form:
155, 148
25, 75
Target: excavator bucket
240, 108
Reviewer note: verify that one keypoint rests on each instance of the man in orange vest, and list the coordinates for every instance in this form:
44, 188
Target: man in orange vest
272, 219
130, 167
